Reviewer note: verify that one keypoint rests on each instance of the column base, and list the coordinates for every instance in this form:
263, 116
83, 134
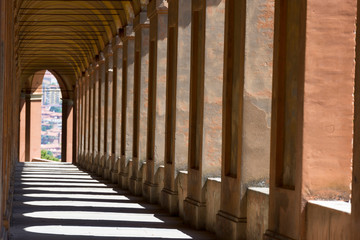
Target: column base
85, 162
100, 169
6, 225
135, 185
124, 176
81, 161
195, 213
114, 177
95, 165
124, 180
5, 233
269, 235
230, 227
151, 192
107, 171
90, 162
170, 201
107, 174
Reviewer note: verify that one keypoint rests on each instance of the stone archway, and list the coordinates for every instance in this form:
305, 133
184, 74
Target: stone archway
30, 118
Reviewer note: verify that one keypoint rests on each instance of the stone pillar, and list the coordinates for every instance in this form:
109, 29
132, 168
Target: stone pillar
127, 106
141, 80
77, 120
86, 119
109, 67
312, 111
117, 100
82, 115
355, 196
177, 100
101, 117
247, 110
33, 126
206, 84
157, 13
90, 117
67, 131
95, 129
22, 129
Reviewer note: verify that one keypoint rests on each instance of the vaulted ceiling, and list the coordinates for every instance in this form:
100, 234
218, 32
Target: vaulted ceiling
65, 36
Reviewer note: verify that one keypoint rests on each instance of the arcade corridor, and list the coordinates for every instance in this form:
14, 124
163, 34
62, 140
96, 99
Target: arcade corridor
203, 119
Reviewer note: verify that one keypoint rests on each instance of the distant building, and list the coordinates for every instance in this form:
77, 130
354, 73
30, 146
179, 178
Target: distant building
51, 90
51, 121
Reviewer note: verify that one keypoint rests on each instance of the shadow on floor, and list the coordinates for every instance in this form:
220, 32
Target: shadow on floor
58, 201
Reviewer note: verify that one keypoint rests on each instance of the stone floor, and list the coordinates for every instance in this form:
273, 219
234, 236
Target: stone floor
58, 201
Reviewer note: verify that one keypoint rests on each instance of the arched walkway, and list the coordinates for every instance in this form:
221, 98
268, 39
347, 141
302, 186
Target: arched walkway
30, 118
242, 117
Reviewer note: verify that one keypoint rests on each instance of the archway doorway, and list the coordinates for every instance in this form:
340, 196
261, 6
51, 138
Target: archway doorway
54, 100
51, 118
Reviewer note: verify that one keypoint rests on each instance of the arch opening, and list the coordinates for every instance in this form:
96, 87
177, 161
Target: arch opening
46, 119
51, 118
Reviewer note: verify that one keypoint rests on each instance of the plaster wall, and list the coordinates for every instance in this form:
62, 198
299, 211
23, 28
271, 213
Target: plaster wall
328, 99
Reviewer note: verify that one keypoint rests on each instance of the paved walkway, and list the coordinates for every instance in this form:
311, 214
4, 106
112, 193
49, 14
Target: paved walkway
58, 201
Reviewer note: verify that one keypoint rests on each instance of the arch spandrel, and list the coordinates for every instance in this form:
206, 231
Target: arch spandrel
33, 83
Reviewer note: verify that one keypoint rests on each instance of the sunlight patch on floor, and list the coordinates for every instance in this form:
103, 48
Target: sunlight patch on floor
64, 184
84, 204
110, 231
77, 196
88, 215
65, 189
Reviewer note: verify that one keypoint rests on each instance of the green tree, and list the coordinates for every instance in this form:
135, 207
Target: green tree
56, 109
48, 155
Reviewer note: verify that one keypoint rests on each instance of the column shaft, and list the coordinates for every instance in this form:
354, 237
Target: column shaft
109, 68
117, 104
91, 117
247, 111
207, 48
67, 131
101, 133
96, 117
141, 28
177, 100
157, 13
34, 125
86, 119
127, 106
355, 196
82, 108
22, 137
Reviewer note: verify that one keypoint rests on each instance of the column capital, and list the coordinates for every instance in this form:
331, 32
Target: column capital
108, 50
101, 58
117, 43
91, 69
141, 21
32, 96
87, 74
94, 65
83, 78
157, 7
96, 62
128, 33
